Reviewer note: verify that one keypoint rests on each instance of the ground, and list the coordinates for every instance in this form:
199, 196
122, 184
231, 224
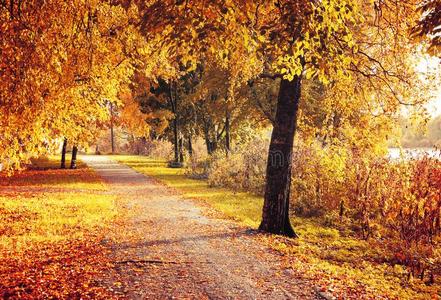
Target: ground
51, 225
169, 248
328, 253
137, 229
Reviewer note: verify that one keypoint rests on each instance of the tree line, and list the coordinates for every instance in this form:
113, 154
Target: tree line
209, 68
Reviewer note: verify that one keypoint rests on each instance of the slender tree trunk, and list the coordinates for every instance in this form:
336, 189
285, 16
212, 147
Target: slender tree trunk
275, 216
190, 146
112, 135
63, 154
176, 139
227, 133
138, 147
181, 149
208, 143
73, 161
207, 140
112, 138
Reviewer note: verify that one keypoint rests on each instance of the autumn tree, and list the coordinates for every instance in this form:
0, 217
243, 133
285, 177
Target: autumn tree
170, 95
429, 25
220, 106
57, 69
293, 41
288, 39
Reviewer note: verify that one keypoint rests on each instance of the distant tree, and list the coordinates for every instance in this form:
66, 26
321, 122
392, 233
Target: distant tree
429, 25
63, 154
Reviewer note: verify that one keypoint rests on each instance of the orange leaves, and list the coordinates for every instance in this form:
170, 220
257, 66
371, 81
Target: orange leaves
60, 271
133, 119
428, 26
51, 226
59, 69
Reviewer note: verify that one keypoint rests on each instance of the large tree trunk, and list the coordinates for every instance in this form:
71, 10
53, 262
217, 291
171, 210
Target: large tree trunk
63, 155
73, 161
275, 216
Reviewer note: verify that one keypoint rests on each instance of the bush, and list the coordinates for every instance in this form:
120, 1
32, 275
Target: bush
241, 170
159, 149
398, 203
318, 179
198, 164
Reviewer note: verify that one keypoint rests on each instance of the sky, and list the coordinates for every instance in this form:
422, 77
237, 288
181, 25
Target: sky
432, 64
434, 107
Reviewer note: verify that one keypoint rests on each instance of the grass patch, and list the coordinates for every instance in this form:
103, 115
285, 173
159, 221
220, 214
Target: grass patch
46, 204
242, 207
51, 225
45, 173
334, 259
51, 217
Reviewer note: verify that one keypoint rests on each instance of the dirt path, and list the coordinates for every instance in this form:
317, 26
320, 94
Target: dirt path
168, 249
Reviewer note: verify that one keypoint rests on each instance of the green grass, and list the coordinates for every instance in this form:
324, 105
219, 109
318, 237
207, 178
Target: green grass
333, 258
243, 207
51, 225
47, 205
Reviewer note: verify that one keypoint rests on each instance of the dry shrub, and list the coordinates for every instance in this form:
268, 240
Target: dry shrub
199, 162
154, 148
161, 149
318, 179
198, 167
397, 203
241, 170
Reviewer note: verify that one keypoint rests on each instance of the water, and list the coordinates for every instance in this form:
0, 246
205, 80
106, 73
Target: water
413, 153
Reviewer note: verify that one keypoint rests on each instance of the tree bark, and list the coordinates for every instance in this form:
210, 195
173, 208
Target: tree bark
190, 146
208, 144
275, 216
176, 139
112, 135
63, 155
207, 140
227, 133
73, 161
181, 149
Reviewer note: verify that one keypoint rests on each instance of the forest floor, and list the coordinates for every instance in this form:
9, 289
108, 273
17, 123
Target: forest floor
137, 229
116, 233
51, 225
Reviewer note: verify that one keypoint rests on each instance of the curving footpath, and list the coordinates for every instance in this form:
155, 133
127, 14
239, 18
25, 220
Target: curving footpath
167, 248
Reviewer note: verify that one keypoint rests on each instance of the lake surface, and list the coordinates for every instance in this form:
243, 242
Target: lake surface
410, 153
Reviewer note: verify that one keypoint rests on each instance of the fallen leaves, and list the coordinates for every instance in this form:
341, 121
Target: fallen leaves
52, 223
59, 270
